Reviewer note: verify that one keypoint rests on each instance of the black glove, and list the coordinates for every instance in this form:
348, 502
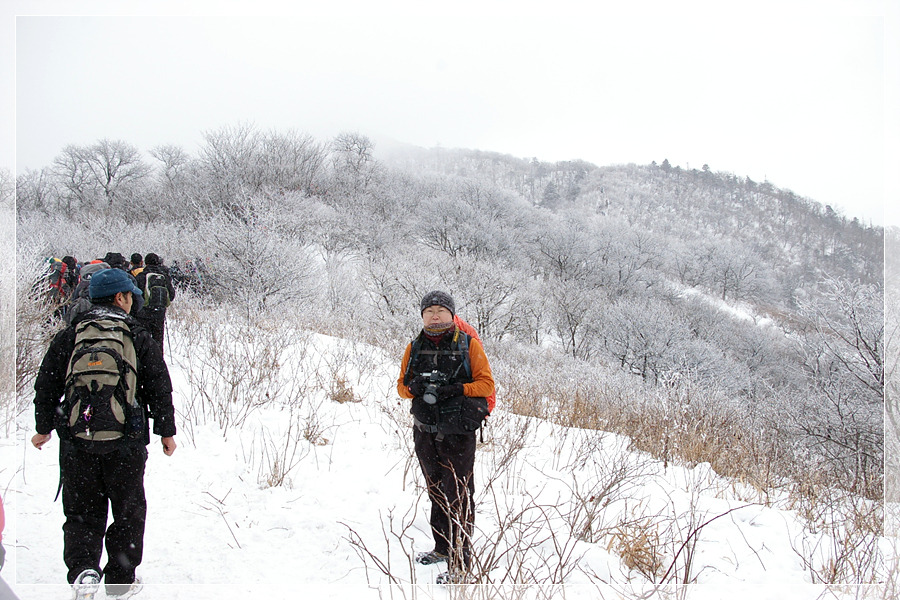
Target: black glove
450, 391
417, 386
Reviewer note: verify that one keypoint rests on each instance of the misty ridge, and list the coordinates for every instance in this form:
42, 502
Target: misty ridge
705, 316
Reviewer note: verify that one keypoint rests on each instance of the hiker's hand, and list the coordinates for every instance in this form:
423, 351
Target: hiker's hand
169, 445
417, 386
450, 391
40, 439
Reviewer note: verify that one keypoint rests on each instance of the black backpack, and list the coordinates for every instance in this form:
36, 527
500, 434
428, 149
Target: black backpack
101, 381
156, 292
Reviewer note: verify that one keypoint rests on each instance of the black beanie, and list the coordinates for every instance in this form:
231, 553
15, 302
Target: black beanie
115, 260
437, 298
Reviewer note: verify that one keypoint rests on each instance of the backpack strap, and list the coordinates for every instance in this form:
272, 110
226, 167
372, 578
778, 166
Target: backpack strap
415, 348
458, 347
462, 344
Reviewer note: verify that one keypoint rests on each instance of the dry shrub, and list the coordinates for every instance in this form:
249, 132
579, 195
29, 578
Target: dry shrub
523, 545
233, 369
313, 430
686, 423
844, 545
583, 413
342, 392
639, 544
598, 486
681, 422
280, 454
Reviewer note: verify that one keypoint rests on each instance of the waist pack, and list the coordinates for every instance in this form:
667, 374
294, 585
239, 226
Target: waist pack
101, 381
458, 415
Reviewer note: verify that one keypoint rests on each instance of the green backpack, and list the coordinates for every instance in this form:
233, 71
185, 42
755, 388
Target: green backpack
156, 293
101, 382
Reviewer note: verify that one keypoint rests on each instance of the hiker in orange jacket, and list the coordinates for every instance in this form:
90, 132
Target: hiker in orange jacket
446, 374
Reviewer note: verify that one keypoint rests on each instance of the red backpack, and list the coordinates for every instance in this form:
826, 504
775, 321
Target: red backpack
57, 279
466, 328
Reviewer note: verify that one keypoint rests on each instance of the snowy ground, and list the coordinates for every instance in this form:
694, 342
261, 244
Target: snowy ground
555, 505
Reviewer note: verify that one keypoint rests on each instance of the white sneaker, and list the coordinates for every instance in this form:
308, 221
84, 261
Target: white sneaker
86, 585
123, 591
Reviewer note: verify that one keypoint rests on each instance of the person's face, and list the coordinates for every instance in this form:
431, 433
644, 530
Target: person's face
124, 300
436, 314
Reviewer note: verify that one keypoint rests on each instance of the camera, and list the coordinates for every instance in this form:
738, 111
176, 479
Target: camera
433, 380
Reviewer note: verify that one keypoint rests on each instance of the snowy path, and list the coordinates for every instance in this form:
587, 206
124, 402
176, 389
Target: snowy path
215, 530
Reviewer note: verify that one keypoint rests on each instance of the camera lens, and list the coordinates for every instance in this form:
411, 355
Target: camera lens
430, 395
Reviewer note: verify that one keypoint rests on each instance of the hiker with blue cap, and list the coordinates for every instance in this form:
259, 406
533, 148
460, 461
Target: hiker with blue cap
99, 383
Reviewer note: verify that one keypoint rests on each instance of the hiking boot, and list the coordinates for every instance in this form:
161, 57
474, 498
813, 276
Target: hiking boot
86, 585
454, 577
430, 558
121, 591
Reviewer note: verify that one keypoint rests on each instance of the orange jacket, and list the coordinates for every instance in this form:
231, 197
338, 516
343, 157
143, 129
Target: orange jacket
482, 384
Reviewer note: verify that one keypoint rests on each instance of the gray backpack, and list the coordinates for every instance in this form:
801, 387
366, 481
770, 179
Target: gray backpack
101, 382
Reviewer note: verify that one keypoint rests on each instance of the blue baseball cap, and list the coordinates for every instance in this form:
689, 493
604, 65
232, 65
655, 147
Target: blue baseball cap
110, 282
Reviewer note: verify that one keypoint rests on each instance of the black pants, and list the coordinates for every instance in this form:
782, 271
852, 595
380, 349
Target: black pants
91, 483
154, 319
448, 466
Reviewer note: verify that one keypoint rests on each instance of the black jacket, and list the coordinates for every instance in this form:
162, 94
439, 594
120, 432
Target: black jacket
154, 387
453, 412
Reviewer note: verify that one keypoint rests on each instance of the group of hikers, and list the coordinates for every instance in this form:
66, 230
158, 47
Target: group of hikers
104, 377
68, 287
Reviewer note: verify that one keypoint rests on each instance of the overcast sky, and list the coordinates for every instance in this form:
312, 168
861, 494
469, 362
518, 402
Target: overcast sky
801, 93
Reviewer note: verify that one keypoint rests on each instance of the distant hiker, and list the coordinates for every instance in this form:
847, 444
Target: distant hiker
159, 292
71, 274
137, 264
191, 275
56, 284
177, 275
446, 374
116, 261
111, 377
58, 287
80, 302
